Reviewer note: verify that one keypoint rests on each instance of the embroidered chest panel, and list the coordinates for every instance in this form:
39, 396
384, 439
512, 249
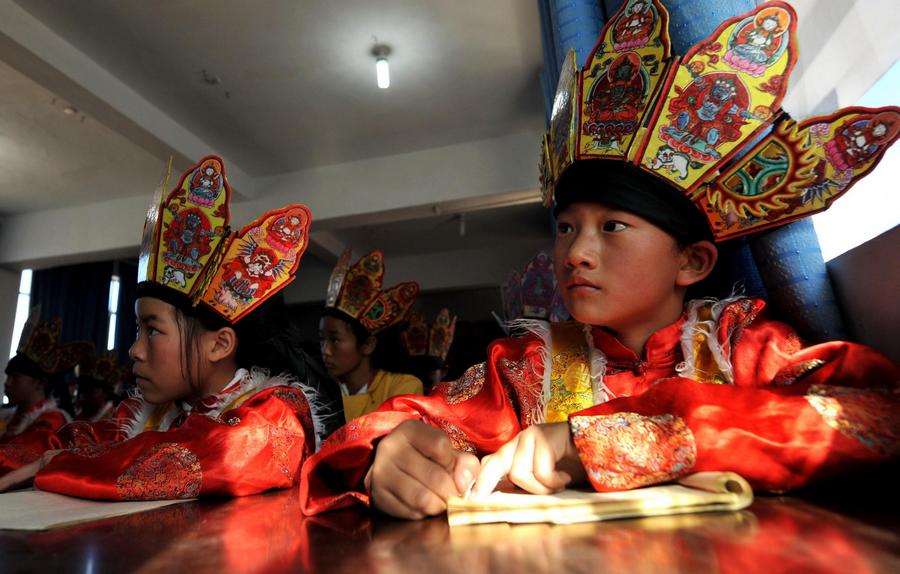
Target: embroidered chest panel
570, 372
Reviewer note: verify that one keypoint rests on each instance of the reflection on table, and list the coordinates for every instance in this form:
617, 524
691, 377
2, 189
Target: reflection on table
267, 533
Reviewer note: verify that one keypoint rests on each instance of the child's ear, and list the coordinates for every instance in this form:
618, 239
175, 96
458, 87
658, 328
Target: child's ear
222, 344
697, 262
369, 346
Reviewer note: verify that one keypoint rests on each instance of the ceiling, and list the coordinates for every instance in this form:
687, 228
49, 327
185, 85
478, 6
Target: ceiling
50, 159
283, 85
96, 94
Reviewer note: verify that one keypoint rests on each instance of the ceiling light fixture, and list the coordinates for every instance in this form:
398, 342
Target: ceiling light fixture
382, 69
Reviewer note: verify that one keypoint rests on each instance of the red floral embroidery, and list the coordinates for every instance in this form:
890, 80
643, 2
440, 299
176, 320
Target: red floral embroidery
350, 432
283, 441
464, 388
738, 316
21, 454
796, 371
297, 401
293, 397
527, 386
79, 435
627, 450
863, 415
458, 438
166, 471
95, 450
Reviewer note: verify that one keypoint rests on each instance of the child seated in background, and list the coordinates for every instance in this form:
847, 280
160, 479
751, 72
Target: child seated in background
35, 388
645, 387
209, 418
359, 338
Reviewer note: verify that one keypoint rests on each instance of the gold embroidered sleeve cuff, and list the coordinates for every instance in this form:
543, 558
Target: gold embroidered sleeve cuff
627, 450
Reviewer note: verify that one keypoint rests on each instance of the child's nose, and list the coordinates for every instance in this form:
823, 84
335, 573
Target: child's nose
136, 350
582, 253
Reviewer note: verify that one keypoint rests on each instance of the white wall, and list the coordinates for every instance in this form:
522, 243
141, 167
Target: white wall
469, 171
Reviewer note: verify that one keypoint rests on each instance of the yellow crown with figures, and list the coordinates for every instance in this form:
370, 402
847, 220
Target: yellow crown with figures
39, 343
421, 339
356, 291
692, 121
189, 254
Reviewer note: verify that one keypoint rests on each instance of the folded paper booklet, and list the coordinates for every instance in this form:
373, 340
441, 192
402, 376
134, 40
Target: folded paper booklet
39, 510
701, 492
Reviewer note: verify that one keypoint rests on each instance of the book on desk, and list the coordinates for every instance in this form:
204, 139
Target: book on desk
39, 510
700, 492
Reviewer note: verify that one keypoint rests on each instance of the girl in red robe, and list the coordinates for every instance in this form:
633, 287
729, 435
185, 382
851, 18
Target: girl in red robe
26, 387
36, 390
209, 418
206, 421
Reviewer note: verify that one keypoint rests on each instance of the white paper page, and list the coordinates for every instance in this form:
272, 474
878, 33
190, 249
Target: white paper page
39, 510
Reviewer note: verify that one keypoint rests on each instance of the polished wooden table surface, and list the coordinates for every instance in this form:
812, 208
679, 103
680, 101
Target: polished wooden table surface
267, 533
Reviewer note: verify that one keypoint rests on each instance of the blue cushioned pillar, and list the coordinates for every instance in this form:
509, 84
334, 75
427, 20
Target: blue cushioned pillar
566, 24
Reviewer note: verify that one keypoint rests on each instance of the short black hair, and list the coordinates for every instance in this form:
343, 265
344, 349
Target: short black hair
23, 364
361, 333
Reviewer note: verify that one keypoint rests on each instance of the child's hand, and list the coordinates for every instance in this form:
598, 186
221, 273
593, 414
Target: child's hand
541, 459
416, 470
25, 474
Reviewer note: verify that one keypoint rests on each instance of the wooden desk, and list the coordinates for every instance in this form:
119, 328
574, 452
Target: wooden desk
267, 533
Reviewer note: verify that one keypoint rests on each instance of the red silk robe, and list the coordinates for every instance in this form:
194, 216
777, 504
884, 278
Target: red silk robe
28, 433
720, 389
251, 437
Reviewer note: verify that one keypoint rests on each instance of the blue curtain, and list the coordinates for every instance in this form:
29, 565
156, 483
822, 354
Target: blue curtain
77, 294
566, 24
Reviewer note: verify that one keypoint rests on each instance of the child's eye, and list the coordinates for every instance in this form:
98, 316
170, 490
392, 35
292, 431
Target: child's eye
152, 331
614, 226
562, 228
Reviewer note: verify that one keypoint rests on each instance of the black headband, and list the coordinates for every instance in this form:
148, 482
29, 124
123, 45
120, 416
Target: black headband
358, 328
626, 187
25, 365
179, 300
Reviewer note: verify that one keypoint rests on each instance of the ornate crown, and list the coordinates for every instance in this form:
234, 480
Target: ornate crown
420, 339
40, 344
105, 368
532, 294
188, 246
357, 292
511, 293
692, 121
